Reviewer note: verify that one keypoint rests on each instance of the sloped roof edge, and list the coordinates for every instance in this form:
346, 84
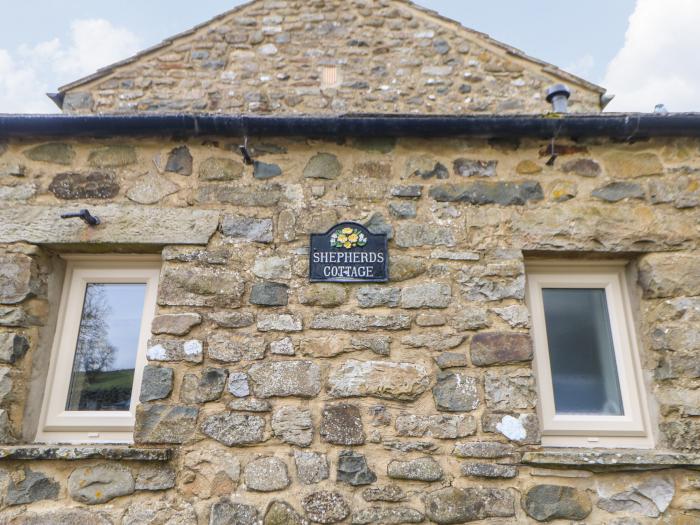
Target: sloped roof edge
546, 66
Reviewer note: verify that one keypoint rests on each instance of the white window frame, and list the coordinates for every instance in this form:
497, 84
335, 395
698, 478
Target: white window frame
58, 425
631, 429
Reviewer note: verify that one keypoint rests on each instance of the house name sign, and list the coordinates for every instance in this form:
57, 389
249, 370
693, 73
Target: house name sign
348, 253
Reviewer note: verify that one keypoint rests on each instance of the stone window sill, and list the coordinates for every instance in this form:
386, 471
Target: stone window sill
78, 452
610, 460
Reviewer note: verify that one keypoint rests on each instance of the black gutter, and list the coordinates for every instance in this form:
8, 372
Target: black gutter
616, 126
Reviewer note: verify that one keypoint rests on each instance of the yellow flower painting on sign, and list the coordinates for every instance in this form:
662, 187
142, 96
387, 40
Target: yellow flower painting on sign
348, 238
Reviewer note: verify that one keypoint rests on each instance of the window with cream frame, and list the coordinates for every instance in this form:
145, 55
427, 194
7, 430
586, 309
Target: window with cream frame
590, 386
99, 350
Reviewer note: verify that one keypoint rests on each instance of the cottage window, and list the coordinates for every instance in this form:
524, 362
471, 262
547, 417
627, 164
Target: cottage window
586, 358
99, 349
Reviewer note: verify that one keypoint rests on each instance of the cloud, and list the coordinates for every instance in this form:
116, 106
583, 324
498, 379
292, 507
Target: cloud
32, 70
658, 62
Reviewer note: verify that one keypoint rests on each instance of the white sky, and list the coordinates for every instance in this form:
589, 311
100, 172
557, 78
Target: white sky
643, 51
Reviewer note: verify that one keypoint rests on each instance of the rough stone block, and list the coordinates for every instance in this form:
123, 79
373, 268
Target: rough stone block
438, 341
341, 424
239, 228
283, 346
293, 425
13, 346
425, 167
230, 319
175, 324
174, 350
496, 348
115, 156
151, 188
32, 487
627, 165
669, 275
456, 392
100, 483
426, 295
234, 429
312, 467
479, 193
279, 323
247, 195
380, 379
411, 191
520, 428
325, 507
403, 210
272, 268
437, 426
285, 378
388, 493
488, 470
582, 167
421, 469
185, 285
475, 168
157, 383
512, 391
373, 296
17, 276
264, 170
359, 323
179, 161
52, 152
619, 190
220, 169
389, 516
451, 360
266, 474
228, 348
404, 267
224, 512
353, 469
93, 185
281, 513
269, 294
413, 234
204, 387
323, 294
483, 450
550, 502
155, 477
163, 424
379, 344
453, 505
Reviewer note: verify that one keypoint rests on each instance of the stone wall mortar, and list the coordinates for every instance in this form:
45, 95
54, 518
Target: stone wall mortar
337, 381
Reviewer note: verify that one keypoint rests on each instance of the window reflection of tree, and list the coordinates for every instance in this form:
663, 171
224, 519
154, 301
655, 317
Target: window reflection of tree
93, 353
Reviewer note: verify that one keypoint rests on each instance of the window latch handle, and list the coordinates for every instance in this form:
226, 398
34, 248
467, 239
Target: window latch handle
85, 215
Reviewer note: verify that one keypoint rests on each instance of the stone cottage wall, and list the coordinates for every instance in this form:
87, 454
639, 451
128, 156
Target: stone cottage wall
330, 56
269, 399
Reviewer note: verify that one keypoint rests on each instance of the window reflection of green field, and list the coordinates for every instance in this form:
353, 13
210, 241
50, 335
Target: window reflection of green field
106, 380
110, 390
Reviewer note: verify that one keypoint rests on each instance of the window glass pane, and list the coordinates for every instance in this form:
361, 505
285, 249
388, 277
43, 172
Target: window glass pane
105, 354
581, 353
